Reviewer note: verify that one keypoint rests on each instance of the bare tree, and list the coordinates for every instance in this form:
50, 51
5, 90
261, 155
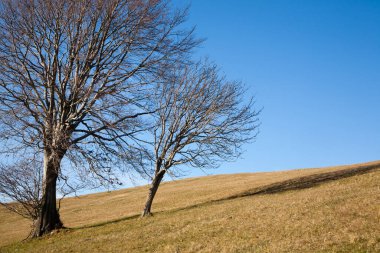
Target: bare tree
73, 81
202, 120
21, 188
21, 182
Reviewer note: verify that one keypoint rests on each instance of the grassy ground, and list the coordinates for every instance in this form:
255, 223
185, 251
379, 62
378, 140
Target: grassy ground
224, 213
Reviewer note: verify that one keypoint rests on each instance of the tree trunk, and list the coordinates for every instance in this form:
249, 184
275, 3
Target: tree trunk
152, 192
49, 219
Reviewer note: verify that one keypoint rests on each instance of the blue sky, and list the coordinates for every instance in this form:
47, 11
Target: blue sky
315, 68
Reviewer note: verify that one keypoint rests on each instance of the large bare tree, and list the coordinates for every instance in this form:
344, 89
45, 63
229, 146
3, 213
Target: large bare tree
202, 120
73, 80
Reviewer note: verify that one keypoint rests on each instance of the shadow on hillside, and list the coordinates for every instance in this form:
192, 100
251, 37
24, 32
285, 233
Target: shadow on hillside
305, 181
130, 217
283, 186
291, 184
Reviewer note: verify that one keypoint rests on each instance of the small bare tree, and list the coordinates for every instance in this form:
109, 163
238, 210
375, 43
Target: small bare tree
21, 188
202, 120
21, 182
73, 81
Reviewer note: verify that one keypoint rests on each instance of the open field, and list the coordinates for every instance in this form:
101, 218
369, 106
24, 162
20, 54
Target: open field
334, 209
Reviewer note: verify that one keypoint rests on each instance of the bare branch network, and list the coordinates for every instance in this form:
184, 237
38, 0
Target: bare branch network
201, 121
105, 86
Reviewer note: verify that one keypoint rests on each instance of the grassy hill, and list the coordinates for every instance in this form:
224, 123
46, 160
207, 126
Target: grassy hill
334, 209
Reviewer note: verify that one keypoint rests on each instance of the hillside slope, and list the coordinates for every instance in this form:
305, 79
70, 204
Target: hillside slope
328, 209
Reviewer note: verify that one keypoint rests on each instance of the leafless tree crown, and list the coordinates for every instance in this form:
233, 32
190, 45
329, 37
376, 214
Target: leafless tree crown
73, 74
203, 118
74, 82
21, 183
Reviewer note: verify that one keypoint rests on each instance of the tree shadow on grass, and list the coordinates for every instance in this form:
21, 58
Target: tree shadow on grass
278, 187
305, 181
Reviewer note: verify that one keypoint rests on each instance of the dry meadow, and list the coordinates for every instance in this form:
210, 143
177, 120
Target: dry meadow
222, 213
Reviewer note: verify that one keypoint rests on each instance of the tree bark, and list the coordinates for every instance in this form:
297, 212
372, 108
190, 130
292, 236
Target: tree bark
49, 219
152, 192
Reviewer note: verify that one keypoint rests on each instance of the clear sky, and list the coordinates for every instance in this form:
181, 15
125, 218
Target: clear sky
315, 68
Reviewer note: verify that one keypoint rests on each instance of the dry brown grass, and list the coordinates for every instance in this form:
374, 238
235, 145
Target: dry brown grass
191, 216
